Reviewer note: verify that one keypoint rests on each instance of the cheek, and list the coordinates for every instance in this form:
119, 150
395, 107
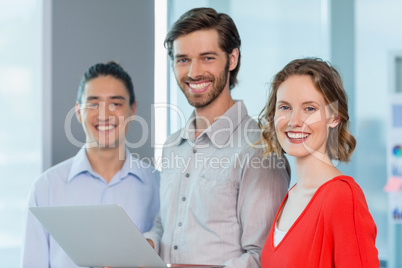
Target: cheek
126, 119
280, 121
179, 72
315, 118
84, 117
316, 122
278, 133
278, 124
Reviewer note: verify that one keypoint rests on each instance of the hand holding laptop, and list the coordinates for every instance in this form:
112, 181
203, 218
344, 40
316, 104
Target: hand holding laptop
151, 243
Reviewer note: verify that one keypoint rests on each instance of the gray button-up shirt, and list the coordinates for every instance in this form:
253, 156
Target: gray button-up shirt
219, 195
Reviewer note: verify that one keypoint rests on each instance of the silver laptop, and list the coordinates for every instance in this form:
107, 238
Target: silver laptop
101, 235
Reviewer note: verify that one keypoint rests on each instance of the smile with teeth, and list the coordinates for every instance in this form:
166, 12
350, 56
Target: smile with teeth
106, 128
297, 135
198, 87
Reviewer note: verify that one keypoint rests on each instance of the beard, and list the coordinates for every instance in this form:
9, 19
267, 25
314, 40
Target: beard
201, 100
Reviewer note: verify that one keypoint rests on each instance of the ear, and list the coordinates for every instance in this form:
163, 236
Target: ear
334, 121
78, 112
133, 109
233, 59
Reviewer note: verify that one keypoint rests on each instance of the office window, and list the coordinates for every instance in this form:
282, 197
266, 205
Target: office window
20, 109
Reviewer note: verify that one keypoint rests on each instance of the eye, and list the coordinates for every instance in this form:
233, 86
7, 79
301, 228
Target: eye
114, 105
209, 58
91, 105
283, 107
181, 61
310, 109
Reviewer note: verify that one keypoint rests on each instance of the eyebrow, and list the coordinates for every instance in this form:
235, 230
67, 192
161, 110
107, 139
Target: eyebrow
201, 54
209, 53
180, 56
117, 97
282, 102
304, 103
310, 102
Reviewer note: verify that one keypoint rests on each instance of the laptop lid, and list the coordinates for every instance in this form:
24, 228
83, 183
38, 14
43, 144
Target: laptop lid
101, 235
98, 235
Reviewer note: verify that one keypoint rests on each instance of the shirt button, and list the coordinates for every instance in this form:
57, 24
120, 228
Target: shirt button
175, 247
187, 175
180, 224
184, 199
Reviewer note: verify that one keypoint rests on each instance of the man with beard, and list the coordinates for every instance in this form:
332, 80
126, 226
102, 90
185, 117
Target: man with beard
219, 194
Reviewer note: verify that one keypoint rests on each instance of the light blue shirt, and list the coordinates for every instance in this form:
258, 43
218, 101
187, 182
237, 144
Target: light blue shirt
73, 182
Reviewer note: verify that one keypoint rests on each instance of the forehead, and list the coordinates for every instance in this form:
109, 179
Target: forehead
105, 86
299, 88
197, 42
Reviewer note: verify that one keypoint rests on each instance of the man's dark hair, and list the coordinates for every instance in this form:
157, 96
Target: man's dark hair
104, 69
204, 19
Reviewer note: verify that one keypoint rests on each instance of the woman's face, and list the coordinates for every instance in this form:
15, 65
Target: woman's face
302, 117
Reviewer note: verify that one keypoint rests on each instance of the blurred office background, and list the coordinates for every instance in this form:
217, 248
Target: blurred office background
45, 47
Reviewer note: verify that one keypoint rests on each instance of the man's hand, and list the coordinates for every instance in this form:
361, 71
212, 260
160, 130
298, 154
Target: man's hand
151, 243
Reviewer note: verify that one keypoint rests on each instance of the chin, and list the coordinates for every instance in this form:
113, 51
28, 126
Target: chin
300, 152
106, 145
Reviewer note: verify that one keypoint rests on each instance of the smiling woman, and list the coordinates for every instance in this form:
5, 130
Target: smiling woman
20, 106
324, 216
302, 121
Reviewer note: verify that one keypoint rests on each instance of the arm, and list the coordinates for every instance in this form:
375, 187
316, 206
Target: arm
263, 185
155, 234
354, 230
35, 251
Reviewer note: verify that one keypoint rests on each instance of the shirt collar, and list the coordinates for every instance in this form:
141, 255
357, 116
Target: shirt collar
81, 165
132, 165
221, 130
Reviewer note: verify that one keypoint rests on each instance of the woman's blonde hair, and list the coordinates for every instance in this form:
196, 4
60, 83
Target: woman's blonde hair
327, 81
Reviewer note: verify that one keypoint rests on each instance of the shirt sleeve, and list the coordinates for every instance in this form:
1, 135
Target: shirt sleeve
353, 231
154, 203
264, 184
35, 251
156, 233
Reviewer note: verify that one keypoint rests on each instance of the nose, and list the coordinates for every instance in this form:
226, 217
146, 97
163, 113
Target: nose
194, 70
104, 111
295, 119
